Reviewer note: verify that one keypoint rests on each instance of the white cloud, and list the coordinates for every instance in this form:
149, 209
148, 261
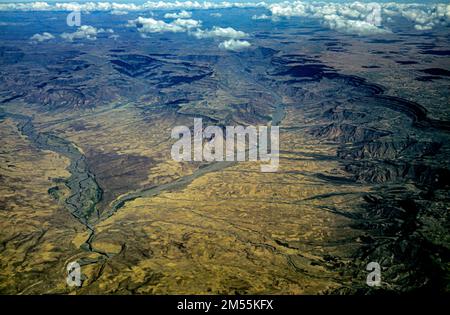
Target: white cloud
30, 6
227, 32
234, 45
119, 12
216, 14
352, 26
181, 15
187, 24
356, 17
192, 27
151, 25
364, 18
42, 37
423, 27
85, 32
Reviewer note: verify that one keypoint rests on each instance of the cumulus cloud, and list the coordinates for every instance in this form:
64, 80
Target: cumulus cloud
193, 28
423, 27
358, 18
216, 14
187, 24
352, 26
234, 45
31, 6
119, 12
424, 17
180, 15
364, 18
227, 32
42, 37
151, 25
85, 32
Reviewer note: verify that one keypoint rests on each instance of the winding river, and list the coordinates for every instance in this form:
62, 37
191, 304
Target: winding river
85, 192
